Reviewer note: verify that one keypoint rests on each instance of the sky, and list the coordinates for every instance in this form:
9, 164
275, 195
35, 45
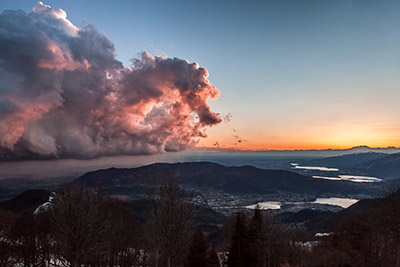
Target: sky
290, 74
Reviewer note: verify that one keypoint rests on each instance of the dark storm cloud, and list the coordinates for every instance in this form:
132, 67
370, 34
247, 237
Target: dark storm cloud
63, 93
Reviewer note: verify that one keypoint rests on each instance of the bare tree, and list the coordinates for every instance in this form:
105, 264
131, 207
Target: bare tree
30, 239
387, 223
169, 223
275, 241
81, 222
6, 219
123, 246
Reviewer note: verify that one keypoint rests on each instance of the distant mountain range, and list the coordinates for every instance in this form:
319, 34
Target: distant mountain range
348, 160
311, 152
387, 167
207, 175
382, 165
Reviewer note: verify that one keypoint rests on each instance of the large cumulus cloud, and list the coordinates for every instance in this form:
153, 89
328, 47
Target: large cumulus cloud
63, 93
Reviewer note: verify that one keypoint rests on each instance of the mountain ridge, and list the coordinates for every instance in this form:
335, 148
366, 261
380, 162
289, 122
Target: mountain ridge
244, 179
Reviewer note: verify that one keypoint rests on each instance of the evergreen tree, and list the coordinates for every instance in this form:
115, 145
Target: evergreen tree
276, 243
199, 250
258, 239
239, 251
213, 259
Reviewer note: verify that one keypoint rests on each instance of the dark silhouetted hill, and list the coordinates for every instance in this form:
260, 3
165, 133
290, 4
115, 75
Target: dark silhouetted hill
329, 222
28, 199
203, 175
387, 167
345, 160
304, 216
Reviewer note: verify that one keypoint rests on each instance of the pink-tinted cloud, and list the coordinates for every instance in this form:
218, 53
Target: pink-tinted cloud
63, 93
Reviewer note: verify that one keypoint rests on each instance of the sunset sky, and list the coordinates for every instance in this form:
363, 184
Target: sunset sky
292, 74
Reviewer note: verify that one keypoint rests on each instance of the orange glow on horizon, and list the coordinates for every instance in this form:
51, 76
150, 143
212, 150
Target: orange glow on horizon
333, 137
297, 146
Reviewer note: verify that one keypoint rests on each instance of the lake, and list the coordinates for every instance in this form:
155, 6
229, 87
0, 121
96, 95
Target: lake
268, 205
339, 177
336, 201
351, 178
314, 168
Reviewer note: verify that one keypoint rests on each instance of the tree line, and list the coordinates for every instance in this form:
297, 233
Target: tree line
83, 227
